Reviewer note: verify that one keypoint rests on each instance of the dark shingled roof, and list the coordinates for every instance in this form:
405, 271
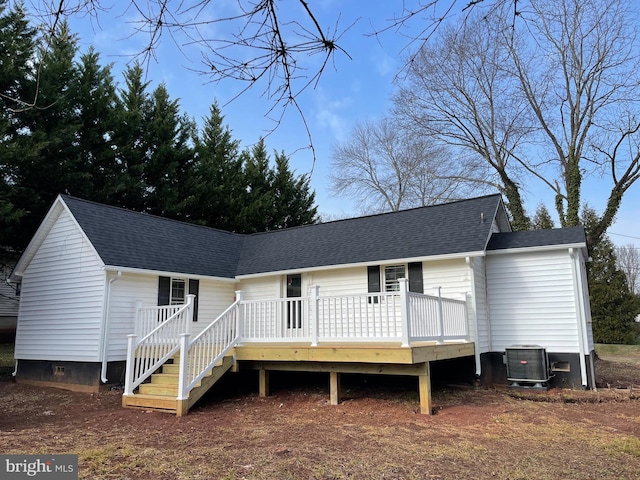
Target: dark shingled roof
124, 238
135, 240
457, 227
537, 238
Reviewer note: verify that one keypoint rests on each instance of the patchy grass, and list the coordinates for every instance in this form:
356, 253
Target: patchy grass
620, 353
7, 363
375, 433
6, 355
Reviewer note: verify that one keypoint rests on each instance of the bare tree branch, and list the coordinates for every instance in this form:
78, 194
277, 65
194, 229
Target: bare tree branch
628, 260
386, 167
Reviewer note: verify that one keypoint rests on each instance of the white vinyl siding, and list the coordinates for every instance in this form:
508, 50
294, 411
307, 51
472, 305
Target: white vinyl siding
531, 301
452, 275
62, 298
344, 281
214, 298
9, 302
122, 309
484, 333
261, 288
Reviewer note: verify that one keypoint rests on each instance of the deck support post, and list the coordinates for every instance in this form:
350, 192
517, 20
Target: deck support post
334, 388
424, 389
263, 382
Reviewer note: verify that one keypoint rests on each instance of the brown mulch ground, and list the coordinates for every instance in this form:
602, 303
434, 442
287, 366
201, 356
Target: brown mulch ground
375, 432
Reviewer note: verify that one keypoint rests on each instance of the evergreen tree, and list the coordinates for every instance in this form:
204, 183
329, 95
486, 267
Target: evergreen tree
613, 306
258, 212
45, 141
294, 204
169, 156
542, 219
218, 190
134, 110
17, 50
95, 98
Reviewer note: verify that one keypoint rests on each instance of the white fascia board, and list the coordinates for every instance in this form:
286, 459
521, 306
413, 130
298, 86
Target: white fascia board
390, 261
543, 248
142, 271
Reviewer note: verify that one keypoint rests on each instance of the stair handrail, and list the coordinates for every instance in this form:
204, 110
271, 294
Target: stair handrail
209, 347
156, 347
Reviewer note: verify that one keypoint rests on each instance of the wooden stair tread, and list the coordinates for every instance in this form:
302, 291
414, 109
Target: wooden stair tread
161, 394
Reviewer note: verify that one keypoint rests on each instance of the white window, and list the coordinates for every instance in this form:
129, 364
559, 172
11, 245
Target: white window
391, 275
178, 291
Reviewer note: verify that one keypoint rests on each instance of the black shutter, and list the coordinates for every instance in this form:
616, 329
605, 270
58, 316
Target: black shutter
194, 286
415, 277
373, 277
164, 290
373, 280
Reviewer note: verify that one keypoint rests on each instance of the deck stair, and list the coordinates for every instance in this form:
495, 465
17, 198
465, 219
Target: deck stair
160, 394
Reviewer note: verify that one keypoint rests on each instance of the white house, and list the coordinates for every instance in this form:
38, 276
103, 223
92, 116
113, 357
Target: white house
438, 282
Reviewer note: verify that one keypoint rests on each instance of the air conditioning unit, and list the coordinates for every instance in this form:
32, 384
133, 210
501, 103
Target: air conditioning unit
527, 366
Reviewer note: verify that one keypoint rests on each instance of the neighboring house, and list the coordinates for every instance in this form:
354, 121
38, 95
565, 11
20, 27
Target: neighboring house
326, 297
9, 302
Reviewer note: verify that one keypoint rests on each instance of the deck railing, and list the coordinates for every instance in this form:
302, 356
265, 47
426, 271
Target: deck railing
437, 318
365, 318
371, 317
207, 349
149, 317
274, 320
400, 316
154, 348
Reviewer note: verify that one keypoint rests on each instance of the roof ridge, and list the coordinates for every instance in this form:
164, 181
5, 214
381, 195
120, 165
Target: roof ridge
372, 215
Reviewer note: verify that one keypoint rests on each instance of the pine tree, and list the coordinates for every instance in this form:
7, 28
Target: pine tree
17, 50
218, 189
542, 219
95, 102
169, 156
258, 213
45, 142
134, 109
613, 306
293, 202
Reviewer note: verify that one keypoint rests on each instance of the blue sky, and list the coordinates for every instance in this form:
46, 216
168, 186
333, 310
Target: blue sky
350, 90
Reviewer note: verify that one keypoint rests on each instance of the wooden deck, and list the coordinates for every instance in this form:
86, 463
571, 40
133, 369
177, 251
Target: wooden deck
369, 358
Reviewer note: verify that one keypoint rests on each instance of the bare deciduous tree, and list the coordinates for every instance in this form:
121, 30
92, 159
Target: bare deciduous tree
555, 98
385, 168
281, 46
628, 260
457, 91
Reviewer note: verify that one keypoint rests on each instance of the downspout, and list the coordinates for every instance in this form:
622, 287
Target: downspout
470, 263
105, 335
581, 317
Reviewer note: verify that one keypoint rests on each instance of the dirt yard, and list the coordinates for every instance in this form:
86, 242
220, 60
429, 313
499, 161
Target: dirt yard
374, 434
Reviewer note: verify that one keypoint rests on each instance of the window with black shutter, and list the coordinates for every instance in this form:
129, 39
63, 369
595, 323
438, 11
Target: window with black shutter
172, 291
